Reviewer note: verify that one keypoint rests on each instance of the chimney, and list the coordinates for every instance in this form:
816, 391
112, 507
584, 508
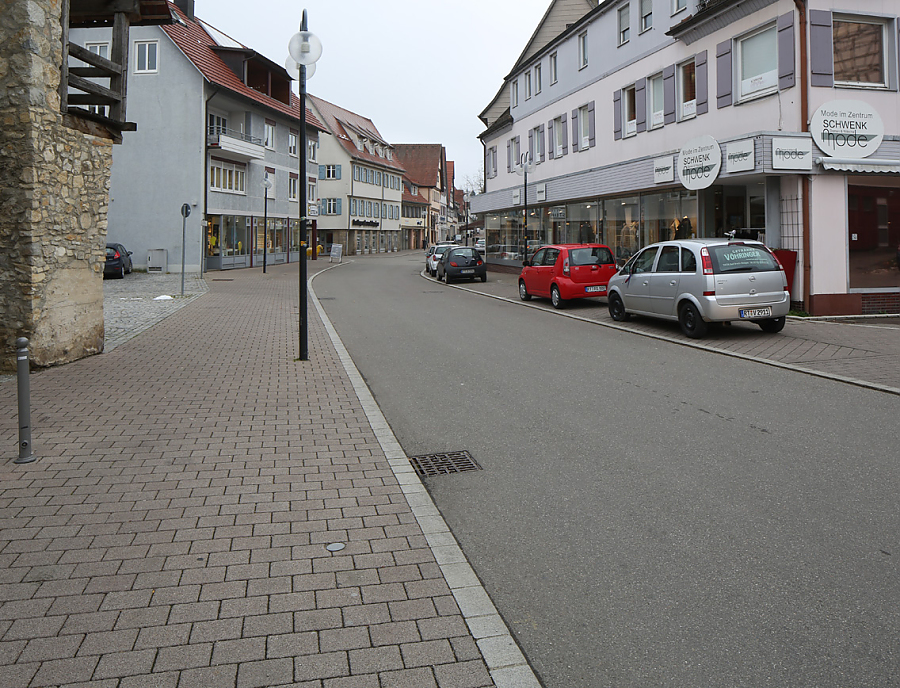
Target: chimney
186, 6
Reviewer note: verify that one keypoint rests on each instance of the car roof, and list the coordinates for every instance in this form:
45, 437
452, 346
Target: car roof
574, 246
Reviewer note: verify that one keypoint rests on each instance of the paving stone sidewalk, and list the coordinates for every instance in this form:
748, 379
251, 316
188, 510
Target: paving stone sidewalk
172, 532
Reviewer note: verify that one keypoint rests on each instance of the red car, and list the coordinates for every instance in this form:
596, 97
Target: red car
567, 271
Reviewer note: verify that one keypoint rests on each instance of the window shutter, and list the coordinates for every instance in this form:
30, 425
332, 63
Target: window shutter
321, 171
724, 74
337, 172
592, 133
640, 105
786, 51
541, 146
509, 155
575, 136
487, 163
337, 210
322, 206
531, 144
821, 48
701, 67
669, 94
617, 115
565, 134
551, 140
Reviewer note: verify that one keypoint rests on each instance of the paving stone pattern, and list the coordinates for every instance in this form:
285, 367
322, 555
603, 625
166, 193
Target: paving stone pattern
172, 532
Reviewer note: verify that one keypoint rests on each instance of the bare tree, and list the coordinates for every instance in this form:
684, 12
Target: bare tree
475, 182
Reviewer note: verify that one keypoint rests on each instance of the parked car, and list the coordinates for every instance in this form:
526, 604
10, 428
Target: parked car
479, 244
434, 256
118, 261
699, 281
504, 251
562, 272
461, 261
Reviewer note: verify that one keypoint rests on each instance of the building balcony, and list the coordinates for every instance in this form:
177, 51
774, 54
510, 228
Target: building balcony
235, 145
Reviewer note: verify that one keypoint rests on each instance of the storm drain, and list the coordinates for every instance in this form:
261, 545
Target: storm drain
428, 465
222, 279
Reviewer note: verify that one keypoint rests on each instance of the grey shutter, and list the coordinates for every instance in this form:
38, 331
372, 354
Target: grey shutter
786, 51
337, 172
617, 115
509, 155
640, 105
669, 94
702, 76
592, 138
322, 206
531, 144
724, 75
487, 163
575, 136
321, 171
821, 49
551, 140
338, 209
542, 146
565, 133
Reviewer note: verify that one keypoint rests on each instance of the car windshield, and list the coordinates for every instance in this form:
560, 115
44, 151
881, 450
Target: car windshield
742, 258
110, 252
590, 255
463, 252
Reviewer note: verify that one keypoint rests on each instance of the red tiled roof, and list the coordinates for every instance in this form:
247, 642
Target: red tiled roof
198, 46
347, 126
422, 162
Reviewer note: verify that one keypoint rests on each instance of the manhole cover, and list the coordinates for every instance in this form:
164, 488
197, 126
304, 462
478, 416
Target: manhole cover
443, 464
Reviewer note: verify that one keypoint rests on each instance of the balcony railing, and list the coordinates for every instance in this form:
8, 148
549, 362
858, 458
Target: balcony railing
214, 132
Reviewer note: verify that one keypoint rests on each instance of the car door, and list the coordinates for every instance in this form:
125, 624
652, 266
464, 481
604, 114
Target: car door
664, 281
636, 288
545, 272
530, 271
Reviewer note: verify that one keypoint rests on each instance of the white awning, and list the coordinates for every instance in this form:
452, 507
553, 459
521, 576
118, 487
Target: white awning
863, 165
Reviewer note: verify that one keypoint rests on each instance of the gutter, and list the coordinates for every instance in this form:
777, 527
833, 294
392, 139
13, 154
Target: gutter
804, 116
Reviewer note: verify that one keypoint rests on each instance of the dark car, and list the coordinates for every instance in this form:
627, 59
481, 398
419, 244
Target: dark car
118, 261
461, 261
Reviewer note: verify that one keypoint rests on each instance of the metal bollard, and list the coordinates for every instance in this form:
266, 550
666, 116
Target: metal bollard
25, 454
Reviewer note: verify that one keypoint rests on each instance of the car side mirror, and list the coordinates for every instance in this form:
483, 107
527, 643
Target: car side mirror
526, 263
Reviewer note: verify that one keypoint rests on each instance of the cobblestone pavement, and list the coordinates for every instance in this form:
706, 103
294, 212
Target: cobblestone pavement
174, 530
859, 350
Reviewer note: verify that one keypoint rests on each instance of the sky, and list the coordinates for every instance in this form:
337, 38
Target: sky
421, 70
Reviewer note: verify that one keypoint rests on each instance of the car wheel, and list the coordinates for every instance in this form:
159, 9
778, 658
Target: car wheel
772, 325
523, 292
617, 308
556, 299
484, 278
122, 272
447, 277
691, 323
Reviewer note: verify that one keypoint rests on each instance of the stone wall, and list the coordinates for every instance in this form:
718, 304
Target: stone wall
54, 193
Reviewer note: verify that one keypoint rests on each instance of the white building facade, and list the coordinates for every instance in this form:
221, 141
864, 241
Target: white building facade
651, 119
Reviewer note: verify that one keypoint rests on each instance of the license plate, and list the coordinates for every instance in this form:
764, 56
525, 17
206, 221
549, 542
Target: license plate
467, 271
594, 289
755, 312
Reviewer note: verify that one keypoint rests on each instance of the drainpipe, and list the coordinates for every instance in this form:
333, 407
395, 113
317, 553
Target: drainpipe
804, 116
204, 235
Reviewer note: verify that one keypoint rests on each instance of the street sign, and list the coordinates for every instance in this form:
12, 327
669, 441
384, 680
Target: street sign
337, 250
312, 210
185, 211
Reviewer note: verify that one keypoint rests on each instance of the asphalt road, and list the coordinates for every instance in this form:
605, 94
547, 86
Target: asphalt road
648, 514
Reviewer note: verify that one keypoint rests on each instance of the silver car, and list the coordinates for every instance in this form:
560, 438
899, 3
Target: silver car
699, 281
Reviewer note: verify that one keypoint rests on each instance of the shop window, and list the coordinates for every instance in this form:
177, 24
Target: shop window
859, 52
687, 90
629, 114
758, 63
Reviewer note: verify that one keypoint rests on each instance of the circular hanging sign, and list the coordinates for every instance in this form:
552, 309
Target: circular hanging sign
847, 129
699, 162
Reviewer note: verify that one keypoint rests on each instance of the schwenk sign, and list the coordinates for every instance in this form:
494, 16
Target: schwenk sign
847, 129
699, 162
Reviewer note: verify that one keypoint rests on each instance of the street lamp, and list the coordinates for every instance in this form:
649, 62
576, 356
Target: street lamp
305, 49
522, 169
267, 184
466, 201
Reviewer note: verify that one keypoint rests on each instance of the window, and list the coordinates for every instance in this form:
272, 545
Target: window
758, 63
657, 101
554, 72
559, 130
377, 210
582, 50
384, 210
311, 147
537, 154
269, 138
584, 124
292, 142
514, 93
293, 186
353, 206
217, 124
356, 173
678, 5
370, 176
687, 90
859, 52
312, 193
527, 85
646, 15
624, 24
226, 176
368, 208
101, 49
332, 206
537, 79
146, 57
629, 114
331, 172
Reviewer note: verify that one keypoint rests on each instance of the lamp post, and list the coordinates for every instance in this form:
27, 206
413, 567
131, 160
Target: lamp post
267, 184
522, 169
305, 49
466, 201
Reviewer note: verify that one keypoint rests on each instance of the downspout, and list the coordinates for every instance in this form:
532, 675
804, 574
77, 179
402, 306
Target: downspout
804, 116
204, 236
349, 201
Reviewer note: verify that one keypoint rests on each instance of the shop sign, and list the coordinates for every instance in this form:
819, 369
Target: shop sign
663, 170
517, 196
312, 210
740, 156
699, 162
847, 129
558, 212
791, 154
541, 192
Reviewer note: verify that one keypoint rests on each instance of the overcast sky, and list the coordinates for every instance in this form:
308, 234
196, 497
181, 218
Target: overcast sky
421, 70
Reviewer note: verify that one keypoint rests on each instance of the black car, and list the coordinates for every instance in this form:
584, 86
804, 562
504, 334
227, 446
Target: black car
461, 261
118, 261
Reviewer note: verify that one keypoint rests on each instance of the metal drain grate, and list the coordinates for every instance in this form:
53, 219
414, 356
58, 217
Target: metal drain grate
221, 279
428, 465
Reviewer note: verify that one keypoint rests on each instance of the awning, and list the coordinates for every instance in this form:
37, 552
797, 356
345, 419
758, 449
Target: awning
863, 165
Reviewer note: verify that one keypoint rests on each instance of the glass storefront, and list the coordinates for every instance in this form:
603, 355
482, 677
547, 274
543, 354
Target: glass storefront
873, 214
